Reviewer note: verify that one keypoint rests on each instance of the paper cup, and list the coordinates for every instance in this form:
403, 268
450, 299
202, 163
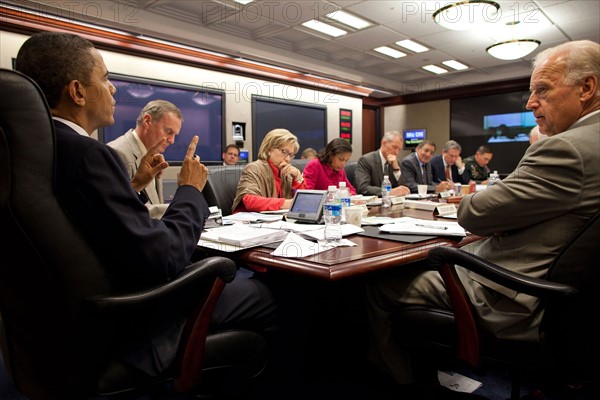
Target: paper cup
422, 190
354, 215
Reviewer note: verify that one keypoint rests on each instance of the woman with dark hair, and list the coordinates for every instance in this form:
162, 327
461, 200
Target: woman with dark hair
328, 168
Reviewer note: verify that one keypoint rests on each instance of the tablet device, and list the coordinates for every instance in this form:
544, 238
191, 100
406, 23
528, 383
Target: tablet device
307, 206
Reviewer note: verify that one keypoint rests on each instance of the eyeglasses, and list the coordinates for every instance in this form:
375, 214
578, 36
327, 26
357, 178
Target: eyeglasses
287, 153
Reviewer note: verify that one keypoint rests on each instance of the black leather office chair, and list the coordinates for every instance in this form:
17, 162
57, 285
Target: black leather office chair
299, 163
349, 169
60, 321
221, 186
569, 349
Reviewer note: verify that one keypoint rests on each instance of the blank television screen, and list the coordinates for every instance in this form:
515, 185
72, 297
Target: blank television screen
307, 121
202, 109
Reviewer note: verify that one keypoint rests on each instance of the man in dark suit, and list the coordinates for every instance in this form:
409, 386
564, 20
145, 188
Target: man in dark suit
371, 168
448, 167
416, 168
98, 195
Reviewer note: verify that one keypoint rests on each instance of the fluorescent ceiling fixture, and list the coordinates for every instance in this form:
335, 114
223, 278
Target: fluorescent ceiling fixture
388, 51
455, 65
349, 19
435, 69
465, 15
324, 28
412, 46
243, 1
513, 49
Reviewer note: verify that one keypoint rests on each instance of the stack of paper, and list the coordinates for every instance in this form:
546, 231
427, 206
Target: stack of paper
415, 226
244, 235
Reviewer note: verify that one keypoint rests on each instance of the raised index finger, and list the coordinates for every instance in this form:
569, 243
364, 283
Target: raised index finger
192, 148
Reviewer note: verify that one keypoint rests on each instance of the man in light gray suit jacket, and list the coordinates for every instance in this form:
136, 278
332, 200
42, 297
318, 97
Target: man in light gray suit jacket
371, 166
525, 218
158, 119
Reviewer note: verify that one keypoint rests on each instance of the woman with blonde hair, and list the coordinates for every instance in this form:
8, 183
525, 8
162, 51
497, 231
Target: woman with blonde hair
270, 182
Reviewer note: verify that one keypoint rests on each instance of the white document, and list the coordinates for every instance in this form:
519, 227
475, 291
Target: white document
319, 234
295, 246
458, 382
415, 226
251, 217
244, 235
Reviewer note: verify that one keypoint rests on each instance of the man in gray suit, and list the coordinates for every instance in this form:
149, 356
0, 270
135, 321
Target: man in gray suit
372, 166
145, 144
525, 218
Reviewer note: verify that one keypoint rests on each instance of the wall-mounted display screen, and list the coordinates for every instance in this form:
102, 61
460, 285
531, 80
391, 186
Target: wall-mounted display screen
203, 115
412, 137
499, 121
307, 121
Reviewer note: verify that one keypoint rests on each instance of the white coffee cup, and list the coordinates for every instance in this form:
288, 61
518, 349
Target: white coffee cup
354, 215
422, 190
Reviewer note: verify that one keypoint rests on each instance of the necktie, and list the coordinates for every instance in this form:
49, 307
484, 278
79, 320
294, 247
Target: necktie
448, 174
423, 174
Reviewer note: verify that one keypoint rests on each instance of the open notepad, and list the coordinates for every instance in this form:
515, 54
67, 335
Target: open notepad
415, 226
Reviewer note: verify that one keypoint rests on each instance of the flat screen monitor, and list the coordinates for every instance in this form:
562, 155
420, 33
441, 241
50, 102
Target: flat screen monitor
305, 120
203, 115
307, 206
412, 137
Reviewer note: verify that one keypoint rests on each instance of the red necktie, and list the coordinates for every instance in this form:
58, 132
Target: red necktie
448, 175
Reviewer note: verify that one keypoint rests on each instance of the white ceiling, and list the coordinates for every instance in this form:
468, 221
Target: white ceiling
270, 31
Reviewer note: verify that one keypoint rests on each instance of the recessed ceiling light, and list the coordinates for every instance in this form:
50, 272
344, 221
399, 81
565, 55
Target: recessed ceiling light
349, 19
324, 28
455, 65
435, 69
412, 46
388, 51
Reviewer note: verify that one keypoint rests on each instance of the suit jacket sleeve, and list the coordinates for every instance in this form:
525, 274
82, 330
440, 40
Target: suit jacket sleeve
365, 176
96, 192
545, 184
409, 173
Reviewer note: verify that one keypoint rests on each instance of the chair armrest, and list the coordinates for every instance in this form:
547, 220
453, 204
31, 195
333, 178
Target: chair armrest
513, 280
180, 290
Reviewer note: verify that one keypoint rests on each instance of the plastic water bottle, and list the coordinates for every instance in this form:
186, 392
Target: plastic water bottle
332, 213
386, 189
344, 195
494, 177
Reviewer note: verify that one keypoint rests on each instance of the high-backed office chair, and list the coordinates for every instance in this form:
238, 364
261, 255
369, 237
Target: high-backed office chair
569, 348
349, 169
61, 323
221, 186
299, 163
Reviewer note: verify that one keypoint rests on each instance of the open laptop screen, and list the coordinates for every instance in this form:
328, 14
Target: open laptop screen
307, 206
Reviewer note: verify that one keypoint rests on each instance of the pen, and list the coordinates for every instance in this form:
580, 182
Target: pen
432, 226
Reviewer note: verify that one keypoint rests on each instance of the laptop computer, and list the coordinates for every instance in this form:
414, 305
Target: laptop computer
307, 207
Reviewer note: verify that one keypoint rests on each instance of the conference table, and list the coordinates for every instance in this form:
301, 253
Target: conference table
369, 255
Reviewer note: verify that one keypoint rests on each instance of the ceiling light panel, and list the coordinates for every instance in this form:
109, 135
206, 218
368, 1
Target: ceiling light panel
435, 69
455, 65
349, 19
412, 46
324, 28
388, 51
